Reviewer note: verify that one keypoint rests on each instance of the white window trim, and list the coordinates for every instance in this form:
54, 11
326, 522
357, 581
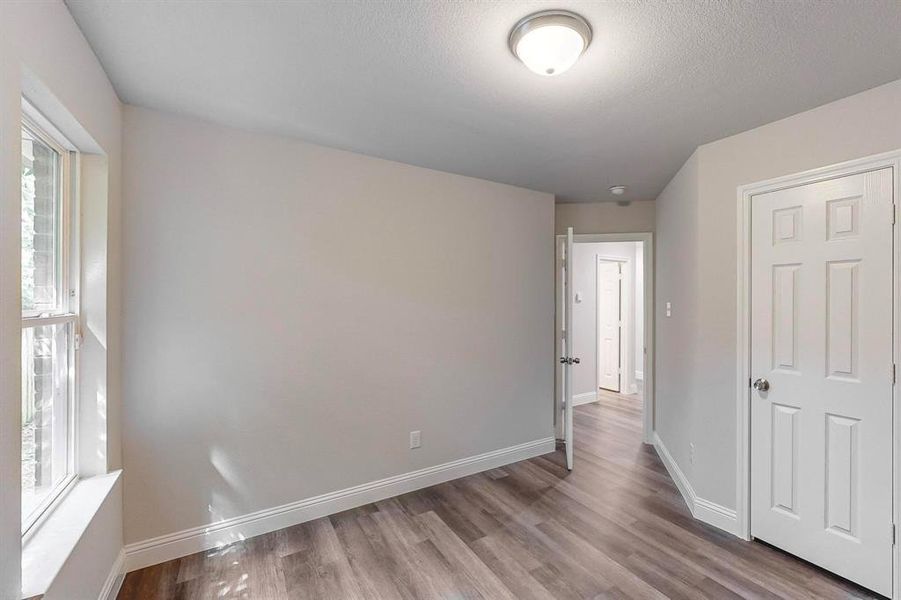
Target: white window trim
69, 285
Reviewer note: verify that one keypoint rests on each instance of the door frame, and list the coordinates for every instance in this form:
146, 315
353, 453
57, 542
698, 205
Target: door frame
648, 408
626, 331
746, 195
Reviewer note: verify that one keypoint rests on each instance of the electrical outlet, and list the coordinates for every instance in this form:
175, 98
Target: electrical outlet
415, 439
691, 452
669, 309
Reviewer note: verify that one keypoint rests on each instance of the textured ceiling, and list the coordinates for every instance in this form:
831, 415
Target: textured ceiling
432, 83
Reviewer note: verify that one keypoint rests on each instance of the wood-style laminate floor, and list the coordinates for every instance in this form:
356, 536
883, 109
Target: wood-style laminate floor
616, 527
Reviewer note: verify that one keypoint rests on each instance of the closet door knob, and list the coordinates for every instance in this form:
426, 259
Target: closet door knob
761, 385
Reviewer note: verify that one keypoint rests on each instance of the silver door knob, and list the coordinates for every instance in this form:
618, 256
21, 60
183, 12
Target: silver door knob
565, 360
761, 385
576, 361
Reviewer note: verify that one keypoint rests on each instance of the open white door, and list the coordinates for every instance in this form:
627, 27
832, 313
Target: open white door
567, 360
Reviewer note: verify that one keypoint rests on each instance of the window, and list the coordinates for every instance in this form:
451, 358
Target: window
49, 314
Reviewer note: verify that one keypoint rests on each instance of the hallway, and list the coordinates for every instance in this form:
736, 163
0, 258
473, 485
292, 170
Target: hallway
616, 527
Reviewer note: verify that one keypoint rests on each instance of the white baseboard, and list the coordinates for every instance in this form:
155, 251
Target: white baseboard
679, 478
701, 509
586, 398
114, 580
716, 515
197, 539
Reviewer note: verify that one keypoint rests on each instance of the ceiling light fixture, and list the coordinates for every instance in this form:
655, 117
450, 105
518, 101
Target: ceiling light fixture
617, 190
551, 41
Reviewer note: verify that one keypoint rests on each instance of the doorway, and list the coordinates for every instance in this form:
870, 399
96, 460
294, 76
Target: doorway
816, 351
611, 353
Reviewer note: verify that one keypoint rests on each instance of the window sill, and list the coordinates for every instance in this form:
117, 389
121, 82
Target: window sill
56, 498
47, 548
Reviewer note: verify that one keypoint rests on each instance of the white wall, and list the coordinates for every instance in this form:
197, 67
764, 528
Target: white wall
10, 326
585, 312
696, 268
678, 379
294, 311
87, 568
605, 217
44, 56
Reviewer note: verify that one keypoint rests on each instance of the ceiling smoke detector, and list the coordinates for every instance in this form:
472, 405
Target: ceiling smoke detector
617, 190
551, 41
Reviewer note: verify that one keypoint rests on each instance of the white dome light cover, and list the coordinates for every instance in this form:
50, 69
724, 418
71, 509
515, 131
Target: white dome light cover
551, 41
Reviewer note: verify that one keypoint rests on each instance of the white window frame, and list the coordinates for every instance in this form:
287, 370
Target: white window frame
68, 312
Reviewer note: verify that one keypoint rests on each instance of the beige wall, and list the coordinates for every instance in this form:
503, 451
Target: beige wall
605, 217
294, 311
677, 377
696, 268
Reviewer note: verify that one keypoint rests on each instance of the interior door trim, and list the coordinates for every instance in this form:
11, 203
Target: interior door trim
745, 197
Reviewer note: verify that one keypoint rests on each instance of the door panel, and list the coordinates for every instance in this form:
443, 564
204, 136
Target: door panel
842, 491
785, 316
841, 318
784, 467
821, 335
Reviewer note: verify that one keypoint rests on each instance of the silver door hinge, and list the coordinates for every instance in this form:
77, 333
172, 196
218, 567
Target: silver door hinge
894, 534
894, 373
894, 213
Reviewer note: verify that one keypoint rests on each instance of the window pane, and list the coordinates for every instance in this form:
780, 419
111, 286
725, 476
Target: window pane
40, 226
45, 412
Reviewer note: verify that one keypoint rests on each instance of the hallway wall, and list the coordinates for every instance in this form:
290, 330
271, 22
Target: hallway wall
696, 268
605, 217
